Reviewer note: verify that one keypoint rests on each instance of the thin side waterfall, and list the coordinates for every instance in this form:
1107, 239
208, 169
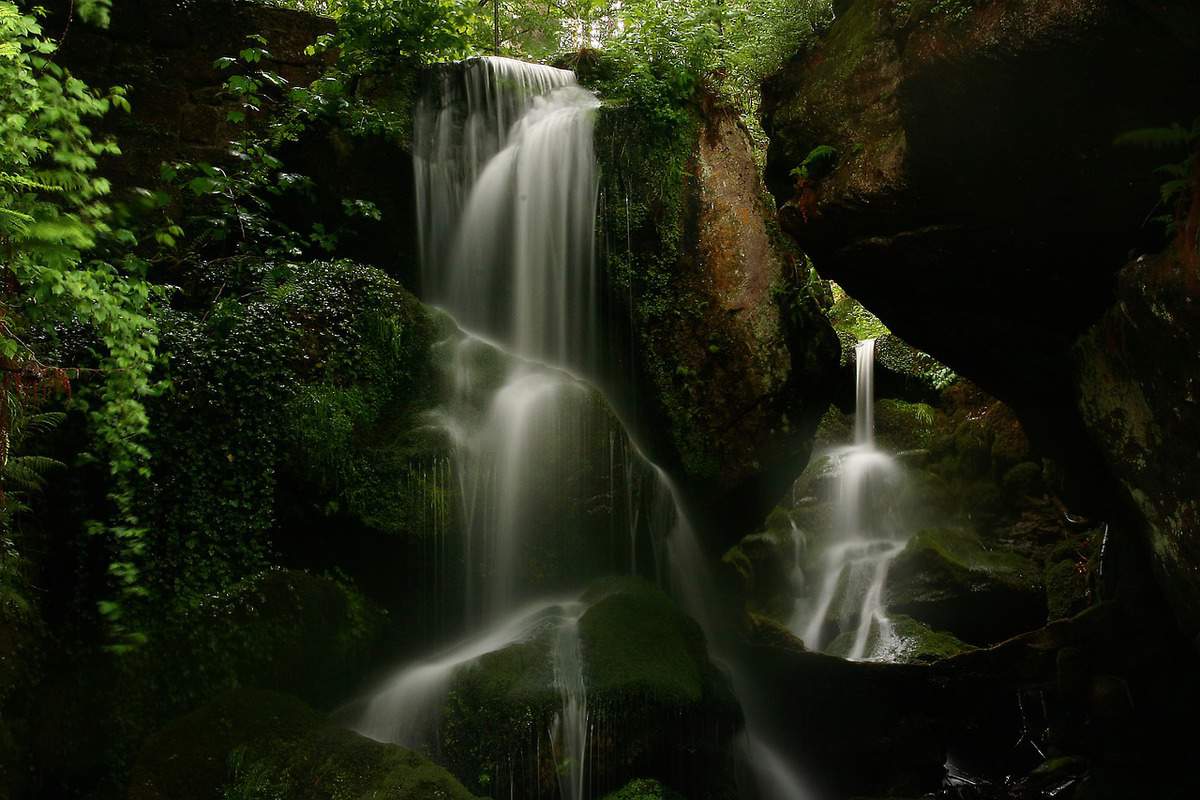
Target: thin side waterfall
854, 566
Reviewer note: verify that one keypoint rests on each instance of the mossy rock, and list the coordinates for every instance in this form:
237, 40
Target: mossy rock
948, 579
656, 704
644, 789
257, 744
900, 425
761, 563
1066, 588
913, 643
920, 644
636, 642
1023, 480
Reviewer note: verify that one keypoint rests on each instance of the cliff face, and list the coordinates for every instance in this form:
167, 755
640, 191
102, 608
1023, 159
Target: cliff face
980, 206
165, 53
731, 358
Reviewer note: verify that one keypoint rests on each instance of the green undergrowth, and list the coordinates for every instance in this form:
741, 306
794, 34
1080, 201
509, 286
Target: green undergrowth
644, 789
303, 366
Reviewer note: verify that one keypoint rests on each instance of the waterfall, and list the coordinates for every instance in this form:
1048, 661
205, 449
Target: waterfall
507, 187
570, 729
405, 708
507, 197
855, 564
506, 194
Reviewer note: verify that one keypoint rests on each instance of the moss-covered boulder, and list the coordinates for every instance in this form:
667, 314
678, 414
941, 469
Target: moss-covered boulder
949, 579
860, 728
909, 642
652, 695
258, 744
761, 568
644, 789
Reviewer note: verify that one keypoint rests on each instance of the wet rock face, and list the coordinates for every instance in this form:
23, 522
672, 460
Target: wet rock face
978, 203
164, 52
1140, 395
732, 356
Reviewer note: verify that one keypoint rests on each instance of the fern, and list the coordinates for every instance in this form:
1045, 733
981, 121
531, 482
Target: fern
1174, 136
1173, 194
28, 473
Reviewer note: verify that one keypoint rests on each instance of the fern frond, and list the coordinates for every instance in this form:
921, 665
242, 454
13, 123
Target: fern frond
28, 473
41, 465
1170, 190
1180, 170
1156, 138
45, 422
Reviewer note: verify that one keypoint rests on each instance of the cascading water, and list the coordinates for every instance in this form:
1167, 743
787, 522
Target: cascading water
854, 565
507, 192
507, 187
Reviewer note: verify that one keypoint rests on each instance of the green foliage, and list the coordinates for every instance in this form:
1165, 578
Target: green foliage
387, 35
850, 316
1175, 192
819, 162
296, 362
68, 264
643, 789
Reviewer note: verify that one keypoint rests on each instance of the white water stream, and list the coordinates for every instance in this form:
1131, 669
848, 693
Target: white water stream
854, 565
507, 195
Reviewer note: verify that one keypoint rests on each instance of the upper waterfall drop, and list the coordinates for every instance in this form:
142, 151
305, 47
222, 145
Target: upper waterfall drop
506, 196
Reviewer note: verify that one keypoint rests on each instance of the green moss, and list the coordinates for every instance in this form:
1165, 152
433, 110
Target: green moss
635, 642
850, 317
919, 644
644, 789
961, 551
901, 425
1066, 588
1024, 480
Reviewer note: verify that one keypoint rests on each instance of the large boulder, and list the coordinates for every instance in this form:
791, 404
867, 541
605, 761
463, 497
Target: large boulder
730, 356
851, 728
948, 579
656, 704
1139, 389
251, 743
978, 202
